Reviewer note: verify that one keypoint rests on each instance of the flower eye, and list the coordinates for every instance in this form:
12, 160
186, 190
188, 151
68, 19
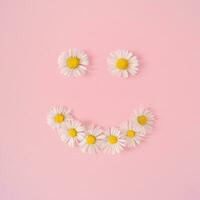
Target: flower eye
122, 63
73, 63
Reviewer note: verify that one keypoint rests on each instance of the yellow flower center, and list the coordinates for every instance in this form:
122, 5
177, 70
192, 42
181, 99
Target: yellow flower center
72, 62
142, 120
59, 118
72, 132
90, 139
112, 139
130, 133
122, 64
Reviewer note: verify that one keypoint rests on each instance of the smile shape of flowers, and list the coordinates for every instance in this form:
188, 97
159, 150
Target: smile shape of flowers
143, 119
93, 139
57, 116
132, 135
71, 132
73, 62
114, 141
122, 63
91, 142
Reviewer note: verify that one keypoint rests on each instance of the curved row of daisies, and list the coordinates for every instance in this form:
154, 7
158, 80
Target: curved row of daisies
92, 139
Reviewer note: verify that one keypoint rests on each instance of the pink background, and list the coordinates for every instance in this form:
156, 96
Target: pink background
35, 164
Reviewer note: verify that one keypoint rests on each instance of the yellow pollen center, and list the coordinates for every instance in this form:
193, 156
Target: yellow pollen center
90, 139
142, 120
130, 133
122, 64
112, 139
59, 118
72, 62
72, 132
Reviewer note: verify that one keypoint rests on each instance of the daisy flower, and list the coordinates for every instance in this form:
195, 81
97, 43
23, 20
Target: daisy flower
143, 119
122, 63
71, 132
73, 62
114, 141
92, 140
57, 116
132, 135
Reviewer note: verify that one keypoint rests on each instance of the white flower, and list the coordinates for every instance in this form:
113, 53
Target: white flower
132, 135
57, 116
73, 62
91, 142
114, 141
71, 132
143, 119
122, 63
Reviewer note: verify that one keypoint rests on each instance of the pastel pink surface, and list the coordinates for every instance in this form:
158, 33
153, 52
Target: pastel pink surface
164, 35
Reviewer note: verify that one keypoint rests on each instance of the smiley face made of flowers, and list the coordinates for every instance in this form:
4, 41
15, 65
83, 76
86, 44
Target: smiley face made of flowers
93, 139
